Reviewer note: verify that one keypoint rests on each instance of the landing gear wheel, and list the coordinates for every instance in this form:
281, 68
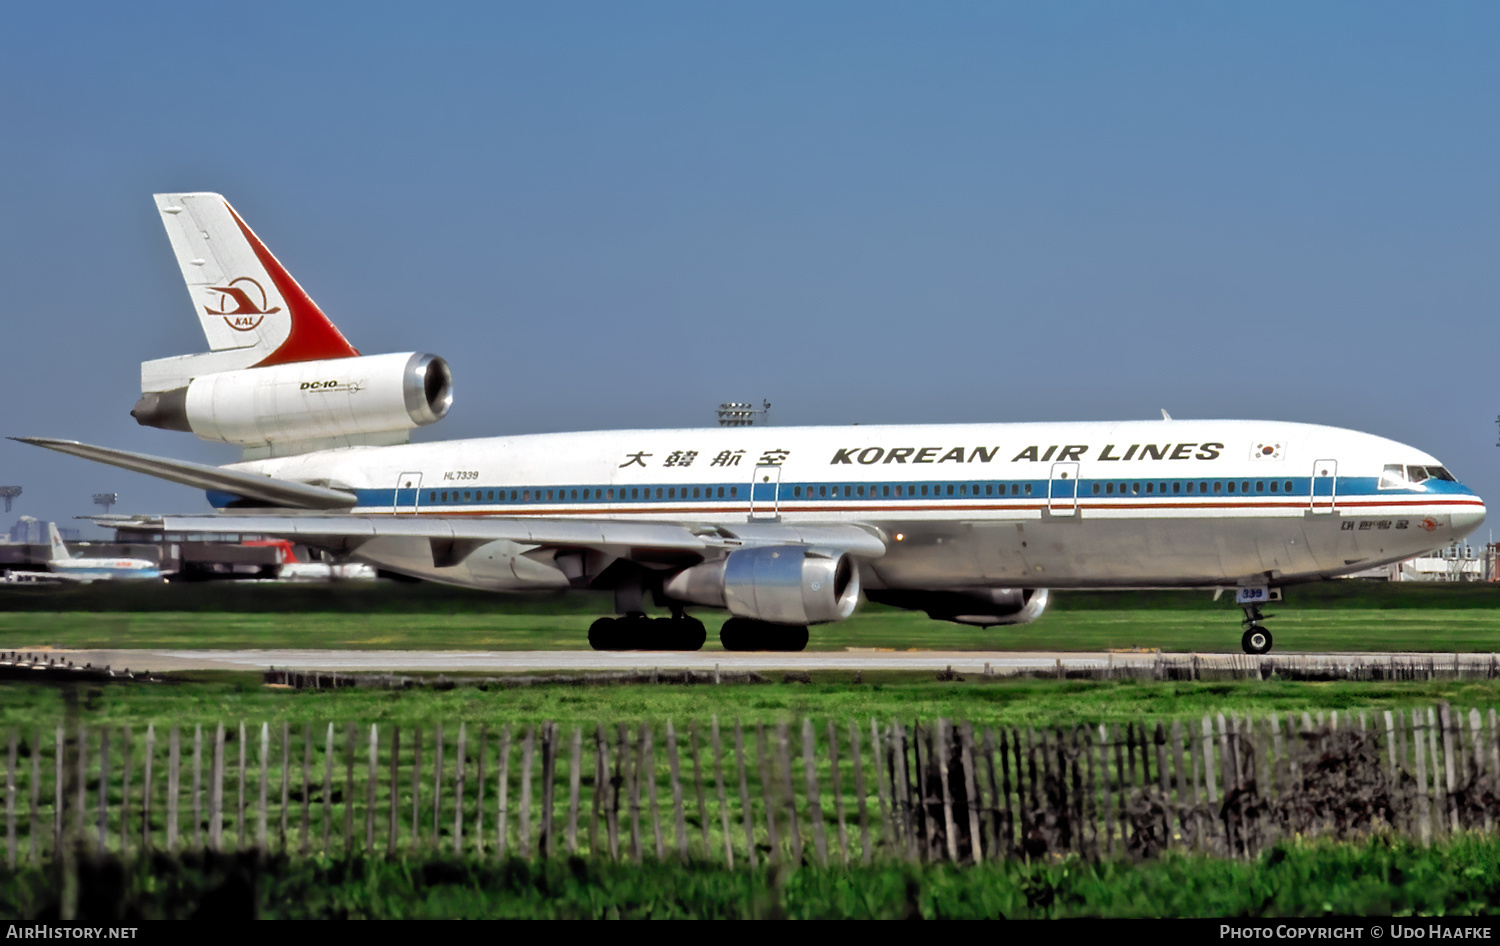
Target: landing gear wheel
604, 634
687, 633
745, 634
1257, 640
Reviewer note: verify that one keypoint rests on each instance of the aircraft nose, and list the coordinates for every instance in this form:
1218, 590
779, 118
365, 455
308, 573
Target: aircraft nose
1467, 519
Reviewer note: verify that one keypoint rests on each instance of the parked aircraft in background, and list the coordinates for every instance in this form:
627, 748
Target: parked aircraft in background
783, 527
64, 564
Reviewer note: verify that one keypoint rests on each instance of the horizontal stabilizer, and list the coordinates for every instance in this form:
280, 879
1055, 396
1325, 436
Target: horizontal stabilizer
201, 475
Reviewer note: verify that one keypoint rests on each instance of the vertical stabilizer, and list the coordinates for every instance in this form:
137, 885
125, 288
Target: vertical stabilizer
57, 551
252, 311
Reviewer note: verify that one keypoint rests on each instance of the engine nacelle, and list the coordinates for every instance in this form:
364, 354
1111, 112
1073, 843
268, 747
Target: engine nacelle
306, 401
983, 607
782, 584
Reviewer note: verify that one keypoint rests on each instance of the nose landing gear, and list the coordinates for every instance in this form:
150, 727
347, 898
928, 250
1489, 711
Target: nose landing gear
1256, 640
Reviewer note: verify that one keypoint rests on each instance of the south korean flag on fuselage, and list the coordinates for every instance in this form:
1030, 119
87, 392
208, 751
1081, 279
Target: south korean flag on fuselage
1267, 451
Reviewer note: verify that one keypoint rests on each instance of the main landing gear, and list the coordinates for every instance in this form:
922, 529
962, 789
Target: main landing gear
1257, 639
745, 634
638, 632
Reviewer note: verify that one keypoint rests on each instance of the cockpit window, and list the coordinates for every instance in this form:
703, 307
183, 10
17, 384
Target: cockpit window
1438, 473
1394, 476
1416, 474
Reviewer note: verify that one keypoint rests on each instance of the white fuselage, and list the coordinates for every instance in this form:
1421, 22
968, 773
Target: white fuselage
1064, 505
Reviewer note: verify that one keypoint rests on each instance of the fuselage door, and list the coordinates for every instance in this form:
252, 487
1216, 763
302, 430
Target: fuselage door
765, 491
1062, 489
408, 490
1325, 485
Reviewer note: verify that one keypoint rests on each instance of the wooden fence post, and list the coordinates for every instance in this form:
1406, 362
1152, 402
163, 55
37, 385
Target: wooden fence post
942, 746
216, 792
549, 775
372, 774
458, 794
286, 779
836, 784
601, 790
861, 803
723, 798
265, 749
679, 822
127, 764
527, 749
349, 793
972, 801
147, 788
416, 789
103, 843
174, 752
484, 749
884, 774
58, 751
307, 793
768, 795
393, 828
239, 821
437, 786
198, 785
703, 822
784, 749
575, 783
814, 803
1445, 717
10, 804
645, 768
1439, 802
1424, 812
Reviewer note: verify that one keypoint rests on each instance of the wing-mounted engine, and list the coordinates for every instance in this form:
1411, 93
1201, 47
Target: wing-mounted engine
780, 584
277, 410
983, 607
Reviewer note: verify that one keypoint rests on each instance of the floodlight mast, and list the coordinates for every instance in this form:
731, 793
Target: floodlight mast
9, 493
743, 414
106, 500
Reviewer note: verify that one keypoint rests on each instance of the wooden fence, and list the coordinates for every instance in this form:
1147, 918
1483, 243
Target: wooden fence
818, 792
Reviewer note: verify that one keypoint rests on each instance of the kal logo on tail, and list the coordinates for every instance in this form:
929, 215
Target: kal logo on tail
247, 314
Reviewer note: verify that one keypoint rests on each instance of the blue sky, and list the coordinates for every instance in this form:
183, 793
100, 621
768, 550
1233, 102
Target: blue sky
615, 215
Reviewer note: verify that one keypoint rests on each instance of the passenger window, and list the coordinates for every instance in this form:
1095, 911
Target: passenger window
989, 489
549, 494
1231, 486
635, 494
885, 491
1135, 488
1176, 488
822, 491
1288, 486
963, 489
721, 492
860, 490
950, 489
1203, 487
658, 492
1218, 487
1149, 487
1260, 486
1096, 489
1245, 486
733, 491
526, 495
671, 493
432, 497
1109, 488
575, 494
848, 491
695, 492
1274, 484
1028, 489
924, 489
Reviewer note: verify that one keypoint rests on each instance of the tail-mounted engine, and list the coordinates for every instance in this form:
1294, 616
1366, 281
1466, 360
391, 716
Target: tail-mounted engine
979, 606
782, 584
310, 404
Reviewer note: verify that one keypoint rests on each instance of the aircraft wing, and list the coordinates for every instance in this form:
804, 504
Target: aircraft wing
454, 538
250, 485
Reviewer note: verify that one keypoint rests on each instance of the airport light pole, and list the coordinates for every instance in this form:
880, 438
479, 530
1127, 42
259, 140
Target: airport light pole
743, 413
8, 493
106, 500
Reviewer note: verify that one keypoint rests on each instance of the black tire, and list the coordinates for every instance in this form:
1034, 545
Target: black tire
688, 633
604, 634
733, 636
792, 639
1257, 640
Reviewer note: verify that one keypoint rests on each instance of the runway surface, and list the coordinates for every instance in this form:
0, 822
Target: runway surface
515, 661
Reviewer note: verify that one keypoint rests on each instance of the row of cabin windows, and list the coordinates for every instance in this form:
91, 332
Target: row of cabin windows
849, 491
1219, 486
537, 495
905, 490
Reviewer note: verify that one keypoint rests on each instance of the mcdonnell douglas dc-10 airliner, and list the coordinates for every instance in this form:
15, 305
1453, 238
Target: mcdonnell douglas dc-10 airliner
784, 527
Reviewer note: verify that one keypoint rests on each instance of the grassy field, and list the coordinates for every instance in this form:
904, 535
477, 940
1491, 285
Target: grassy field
1334, 616
1377, 878
213, 698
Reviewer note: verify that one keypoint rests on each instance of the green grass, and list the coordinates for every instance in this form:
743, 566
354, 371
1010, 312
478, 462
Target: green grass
1380, 877
1330, 616
224, 697
1181, 631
